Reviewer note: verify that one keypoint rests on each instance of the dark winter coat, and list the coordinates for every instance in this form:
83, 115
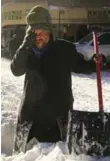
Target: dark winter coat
15, 42
47, 88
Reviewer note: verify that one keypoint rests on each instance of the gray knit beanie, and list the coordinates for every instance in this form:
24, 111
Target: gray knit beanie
39, 18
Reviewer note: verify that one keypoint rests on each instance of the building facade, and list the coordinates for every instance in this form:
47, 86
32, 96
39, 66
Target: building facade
70, 18
69, 3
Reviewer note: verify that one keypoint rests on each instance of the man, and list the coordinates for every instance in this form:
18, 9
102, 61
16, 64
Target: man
47, 96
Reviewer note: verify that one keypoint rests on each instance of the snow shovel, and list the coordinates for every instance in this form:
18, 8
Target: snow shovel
89, 132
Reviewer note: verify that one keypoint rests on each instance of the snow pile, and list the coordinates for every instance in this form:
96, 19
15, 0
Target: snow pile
52, 153
8, 124
85, 93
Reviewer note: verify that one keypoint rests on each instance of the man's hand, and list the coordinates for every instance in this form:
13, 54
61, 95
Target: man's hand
29, 39
100, 58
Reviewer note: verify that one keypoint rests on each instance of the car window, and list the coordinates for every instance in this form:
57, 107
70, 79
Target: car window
86, 39
104, 39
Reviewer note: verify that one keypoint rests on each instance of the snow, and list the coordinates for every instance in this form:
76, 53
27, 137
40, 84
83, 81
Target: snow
85, 94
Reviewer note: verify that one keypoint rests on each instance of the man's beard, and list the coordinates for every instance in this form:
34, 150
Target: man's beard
41, 44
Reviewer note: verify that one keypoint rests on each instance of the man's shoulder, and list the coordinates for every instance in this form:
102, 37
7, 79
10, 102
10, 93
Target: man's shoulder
63, 45
63, 42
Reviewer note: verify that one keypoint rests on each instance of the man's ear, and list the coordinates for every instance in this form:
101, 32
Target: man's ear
51, 36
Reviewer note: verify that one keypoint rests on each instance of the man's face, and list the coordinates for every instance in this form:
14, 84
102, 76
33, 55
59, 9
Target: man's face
42, 38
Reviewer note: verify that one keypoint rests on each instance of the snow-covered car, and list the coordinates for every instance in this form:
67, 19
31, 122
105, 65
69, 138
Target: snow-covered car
85, 45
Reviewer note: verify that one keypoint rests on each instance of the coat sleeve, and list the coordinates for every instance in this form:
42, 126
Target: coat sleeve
20, 61
77, 62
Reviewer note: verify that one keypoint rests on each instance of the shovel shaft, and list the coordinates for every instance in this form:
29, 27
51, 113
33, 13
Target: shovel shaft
98, 72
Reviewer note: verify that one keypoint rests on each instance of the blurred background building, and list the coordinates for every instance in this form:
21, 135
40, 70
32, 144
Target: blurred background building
68, 3
71, 19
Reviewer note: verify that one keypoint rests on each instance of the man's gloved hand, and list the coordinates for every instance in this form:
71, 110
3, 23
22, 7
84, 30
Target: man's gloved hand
29, 40
100, 59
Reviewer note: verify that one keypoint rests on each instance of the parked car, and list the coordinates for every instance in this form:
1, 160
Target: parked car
85, 45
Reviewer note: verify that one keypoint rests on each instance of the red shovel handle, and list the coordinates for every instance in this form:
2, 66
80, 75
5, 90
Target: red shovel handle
98, 72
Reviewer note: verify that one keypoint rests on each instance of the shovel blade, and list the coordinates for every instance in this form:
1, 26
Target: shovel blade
89, 133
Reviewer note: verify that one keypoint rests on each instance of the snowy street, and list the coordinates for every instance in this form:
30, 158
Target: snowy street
85, 95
